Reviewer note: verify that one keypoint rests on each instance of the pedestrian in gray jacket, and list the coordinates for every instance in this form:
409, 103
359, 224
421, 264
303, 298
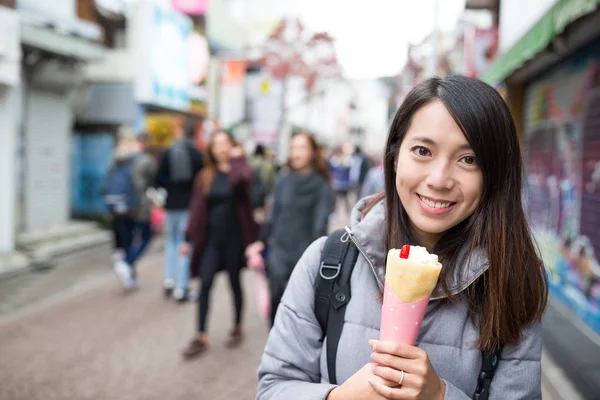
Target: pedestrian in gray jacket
299, 214
453, 185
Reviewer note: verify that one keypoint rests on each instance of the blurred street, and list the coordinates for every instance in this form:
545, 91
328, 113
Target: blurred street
94, 342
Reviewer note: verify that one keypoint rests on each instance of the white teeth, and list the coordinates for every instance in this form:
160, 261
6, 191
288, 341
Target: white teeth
434, 204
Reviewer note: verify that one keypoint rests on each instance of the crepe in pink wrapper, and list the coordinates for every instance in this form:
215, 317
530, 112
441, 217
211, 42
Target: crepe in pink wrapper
409, 283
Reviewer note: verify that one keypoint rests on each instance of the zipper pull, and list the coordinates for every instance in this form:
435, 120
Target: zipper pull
346, 236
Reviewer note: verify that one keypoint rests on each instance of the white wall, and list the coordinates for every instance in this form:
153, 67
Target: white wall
372, 106
65, 9
330, 117
8, 134
517, 17
226, 23
116, 66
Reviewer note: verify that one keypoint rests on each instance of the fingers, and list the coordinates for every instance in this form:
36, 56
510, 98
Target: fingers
383, 380
393, 376
398, 363
397, 349
397, 393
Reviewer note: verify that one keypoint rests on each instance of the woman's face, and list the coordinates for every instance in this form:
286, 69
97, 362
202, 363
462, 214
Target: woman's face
437, 176
301, 154
221, 147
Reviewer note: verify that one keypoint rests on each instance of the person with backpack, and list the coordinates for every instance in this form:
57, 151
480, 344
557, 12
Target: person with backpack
453, 181
177, 169
265, 169
220, 227
122, 200
359, 168
340, 164
299, 214
263, 185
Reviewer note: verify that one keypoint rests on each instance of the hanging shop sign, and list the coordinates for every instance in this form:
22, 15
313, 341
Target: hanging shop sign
162, 57
190, 7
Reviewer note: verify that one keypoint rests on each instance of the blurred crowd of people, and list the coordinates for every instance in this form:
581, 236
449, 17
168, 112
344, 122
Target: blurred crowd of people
221, 210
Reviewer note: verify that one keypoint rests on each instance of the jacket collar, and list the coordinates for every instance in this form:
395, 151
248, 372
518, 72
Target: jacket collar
369, 234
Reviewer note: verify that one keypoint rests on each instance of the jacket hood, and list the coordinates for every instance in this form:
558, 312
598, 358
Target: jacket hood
369, 234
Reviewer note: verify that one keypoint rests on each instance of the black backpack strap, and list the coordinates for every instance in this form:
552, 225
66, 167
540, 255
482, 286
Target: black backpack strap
332, 292
329, 270
489, 363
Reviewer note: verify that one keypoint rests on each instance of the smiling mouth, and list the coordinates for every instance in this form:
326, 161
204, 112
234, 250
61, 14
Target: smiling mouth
434, 203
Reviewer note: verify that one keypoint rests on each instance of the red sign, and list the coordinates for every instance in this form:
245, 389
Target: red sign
481, 48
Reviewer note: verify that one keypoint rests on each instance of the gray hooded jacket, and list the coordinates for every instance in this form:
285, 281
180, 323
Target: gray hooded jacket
294, 363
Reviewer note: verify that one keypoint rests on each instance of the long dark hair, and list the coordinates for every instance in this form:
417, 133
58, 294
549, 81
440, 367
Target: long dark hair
319, 163
513, 292
208, 173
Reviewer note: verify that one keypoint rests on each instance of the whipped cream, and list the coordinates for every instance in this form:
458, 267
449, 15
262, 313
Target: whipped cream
420, 254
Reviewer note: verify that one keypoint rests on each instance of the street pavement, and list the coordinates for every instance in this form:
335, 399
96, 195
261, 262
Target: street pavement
73, 333
96, 342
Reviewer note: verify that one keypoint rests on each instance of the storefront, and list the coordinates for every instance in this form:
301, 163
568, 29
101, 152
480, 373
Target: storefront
54, 50
553, 80
10, 56
562, 153
149, 86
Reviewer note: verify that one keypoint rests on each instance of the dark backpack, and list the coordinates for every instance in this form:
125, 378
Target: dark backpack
332, 295
119, 193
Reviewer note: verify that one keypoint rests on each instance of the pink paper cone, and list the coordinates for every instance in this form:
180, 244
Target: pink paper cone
400, 321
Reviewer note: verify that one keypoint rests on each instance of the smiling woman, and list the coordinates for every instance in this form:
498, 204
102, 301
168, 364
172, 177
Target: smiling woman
454, 141
452, 184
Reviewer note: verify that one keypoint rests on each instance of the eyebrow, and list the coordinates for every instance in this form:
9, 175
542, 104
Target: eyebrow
427, 140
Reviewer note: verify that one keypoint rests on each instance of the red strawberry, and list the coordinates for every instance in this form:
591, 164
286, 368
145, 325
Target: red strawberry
404, 251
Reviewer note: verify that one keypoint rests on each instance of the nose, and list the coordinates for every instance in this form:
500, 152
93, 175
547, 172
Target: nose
439, 176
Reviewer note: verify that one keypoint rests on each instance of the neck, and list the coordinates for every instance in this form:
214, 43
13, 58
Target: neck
224, 166
426, 239
304, 171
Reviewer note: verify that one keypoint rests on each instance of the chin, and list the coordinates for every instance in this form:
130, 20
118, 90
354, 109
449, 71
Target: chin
297, 167
429, 226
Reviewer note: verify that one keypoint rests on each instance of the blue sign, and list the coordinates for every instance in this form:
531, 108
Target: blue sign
91, 158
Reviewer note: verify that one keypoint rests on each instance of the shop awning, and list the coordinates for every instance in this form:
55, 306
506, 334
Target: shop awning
553, 23
73, 38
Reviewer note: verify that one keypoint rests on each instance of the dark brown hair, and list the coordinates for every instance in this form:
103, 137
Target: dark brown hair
513, 292
319, 163
208, 173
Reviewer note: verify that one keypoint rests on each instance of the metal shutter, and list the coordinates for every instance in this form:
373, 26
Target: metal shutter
547, 137
590, 194
47, 148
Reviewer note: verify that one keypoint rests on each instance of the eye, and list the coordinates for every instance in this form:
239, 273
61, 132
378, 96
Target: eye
421, 151
469, 160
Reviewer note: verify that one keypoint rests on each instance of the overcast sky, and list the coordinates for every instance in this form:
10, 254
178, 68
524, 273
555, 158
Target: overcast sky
371, 36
